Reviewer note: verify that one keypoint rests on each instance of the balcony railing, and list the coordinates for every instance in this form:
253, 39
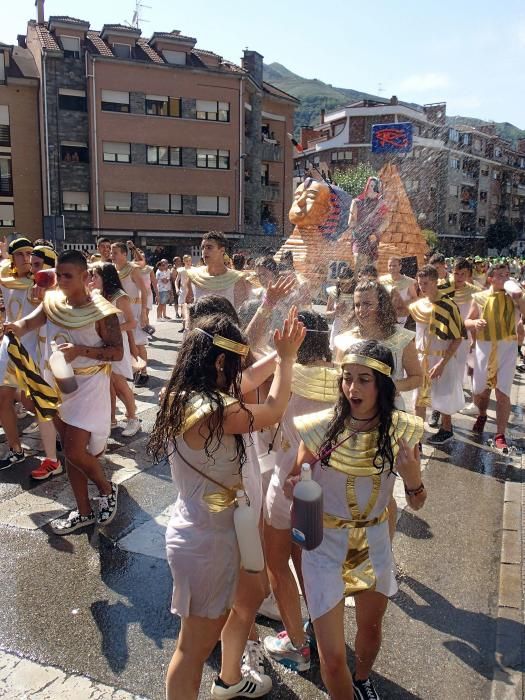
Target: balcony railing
6, 186
272, 151
271, 192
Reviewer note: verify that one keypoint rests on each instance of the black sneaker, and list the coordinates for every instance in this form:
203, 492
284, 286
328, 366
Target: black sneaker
434, 419
73, 521
107, 506
364, 690
441, 437
142, 380
11, 459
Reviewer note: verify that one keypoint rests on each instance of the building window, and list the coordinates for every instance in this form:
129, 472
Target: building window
117, 152
482, 196
495, 174
484, 172
265, 174
75, 201
452, 219
71, 46
71, 152
2, 67
213, 206
341, 155
213, 111
207, 158
7, 215
176, 58
160, 106
455, 163
6, 181
453, 135
5, 134
165, 203
466, 139
163, 155
412, 185
453, 190
114, 101
482, 222
476, 145
497, 152
74, 100
117, 201
121, 50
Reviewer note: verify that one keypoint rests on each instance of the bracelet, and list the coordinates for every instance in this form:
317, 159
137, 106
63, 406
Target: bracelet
415, 492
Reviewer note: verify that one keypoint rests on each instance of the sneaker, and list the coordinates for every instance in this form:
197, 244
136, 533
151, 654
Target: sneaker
364, 690
20, 410
12, 458
441, 437
521, 369
132, 427
251, 685
470, 409
479, 425
253, 658
107, 506
281, 649
46, 469
434, 419
270, 609
142, 380
500, 443
74, 521
150, 330
310, 633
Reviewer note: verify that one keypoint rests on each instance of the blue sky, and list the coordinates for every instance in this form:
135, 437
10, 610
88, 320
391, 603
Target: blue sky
470, 53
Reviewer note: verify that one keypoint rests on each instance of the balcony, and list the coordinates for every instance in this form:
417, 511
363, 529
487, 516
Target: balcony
271, 152
271, 192
6, 186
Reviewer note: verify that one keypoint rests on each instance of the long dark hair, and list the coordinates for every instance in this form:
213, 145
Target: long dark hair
110, 280
316, 344
195, 372
386, 313
386, 393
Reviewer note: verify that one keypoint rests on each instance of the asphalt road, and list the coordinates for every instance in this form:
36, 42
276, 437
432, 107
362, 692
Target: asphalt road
97, 603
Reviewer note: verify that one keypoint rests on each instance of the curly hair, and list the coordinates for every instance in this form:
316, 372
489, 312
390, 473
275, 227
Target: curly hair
386, 393
110, 280
195, 372
386, 314
316, 345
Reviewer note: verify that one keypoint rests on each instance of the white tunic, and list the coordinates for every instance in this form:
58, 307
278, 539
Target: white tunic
133, 292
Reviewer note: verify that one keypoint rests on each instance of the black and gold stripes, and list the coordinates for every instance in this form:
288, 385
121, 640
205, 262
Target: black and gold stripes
445, 320
29, 380
498, 310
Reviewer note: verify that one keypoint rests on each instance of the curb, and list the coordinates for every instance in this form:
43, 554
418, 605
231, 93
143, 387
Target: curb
509, 653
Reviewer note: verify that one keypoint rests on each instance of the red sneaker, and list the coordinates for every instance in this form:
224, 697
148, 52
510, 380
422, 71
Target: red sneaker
499, 442
479, 425
46, 469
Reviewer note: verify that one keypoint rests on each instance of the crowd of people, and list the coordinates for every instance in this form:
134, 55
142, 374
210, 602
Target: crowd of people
262, 384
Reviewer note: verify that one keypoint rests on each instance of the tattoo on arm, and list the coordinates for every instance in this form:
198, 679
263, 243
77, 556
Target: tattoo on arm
109, 330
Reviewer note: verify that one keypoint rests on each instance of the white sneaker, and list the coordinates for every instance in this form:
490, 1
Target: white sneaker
470, 410
20, 410
252, 685
270, 609
253, 658
132, 427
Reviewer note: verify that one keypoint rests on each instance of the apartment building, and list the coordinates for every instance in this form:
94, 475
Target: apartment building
20, 187
459, 179
157, 140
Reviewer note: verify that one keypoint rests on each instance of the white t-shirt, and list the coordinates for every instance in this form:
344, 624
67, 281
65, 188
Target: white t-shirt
163, 280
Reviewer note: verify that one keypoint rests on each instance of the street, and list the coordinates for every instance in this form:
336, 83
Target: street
87, 616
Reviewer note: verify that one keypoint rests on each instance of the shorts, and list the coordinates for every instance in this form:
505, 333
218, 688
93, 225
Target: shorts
164, 298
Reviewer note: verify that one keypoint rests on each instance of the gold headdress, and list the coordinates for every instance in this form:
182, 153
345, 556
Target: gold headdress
353, 358
227, 344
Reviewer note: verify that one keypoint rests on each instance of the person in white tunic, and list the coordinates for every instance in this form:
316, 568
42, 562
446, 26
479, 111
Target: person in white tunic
405, 287
201, 424
355, 450
86, 329
16, 283
106, 280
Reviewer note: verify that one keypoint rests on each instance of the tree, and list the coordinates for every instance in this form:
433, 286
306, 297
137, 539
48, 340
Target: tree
501, 235
431, 237
354, 179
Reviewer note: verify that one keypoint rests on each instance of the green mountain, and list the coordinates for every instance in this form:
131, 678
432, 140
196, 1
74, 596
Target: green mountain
316, 95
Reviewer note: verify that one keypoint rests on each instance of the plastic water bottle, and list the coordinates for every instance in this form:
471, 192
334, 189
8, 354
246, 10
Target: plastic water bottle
307, 511
62, 370
248, 536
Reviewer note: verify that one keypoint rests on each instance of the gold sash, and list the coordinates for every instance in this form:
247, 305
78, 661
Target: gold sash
90, 370
61, 313
198, 407
498, 310
127, 270
400, 284
200, 277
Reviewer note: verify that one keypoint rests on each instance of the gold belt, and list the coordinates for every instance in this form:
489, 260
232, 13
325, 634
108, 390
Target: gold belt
436, 353
334, 521
221, 500
93, 369
135, 300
